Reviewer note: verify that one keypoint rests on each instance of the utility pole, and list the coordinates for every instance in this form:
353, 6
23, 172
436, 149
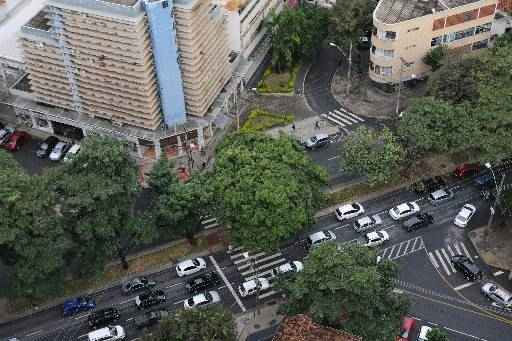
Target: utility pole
499, 190
190, 160
349, 71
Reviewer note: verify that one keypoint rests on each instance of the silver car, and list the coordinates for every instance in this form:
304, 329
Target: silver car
202, 300
497, 294
365, 223
439, 196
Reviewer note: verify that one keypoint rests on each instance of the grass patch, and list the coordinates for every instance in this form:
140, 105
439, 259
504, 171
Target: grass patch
278, 82
261, 120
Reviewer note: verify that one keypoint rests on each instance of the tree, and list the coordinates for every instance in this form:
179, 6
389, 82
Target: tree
375, 153
211, 324
163, 175
346, 288
266, 189
435, 57
436, 334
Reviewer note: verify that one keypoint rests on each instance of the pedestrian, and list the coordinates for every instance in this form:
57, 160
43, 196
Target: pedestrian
293, 127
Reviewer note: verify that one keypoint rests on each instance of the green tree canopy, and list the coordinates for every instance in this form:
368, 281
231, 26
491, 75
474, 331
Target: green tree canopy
375, 153
436, 334
347, 288
266, 189
349, 19
211, 324
435, 57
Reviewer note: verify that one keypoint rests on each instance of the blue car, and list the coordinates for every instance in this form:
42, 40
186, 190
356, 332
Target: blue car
76, 305
483, 181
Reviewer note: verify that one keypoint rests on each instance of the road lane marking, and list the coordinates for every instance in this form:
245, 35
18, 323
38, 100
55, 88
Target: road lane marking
259, 274
433, 260
178, 302
34, 333
457, 249
498, 273
391, 252
81, 317
258, 261
267, 294
131, 318
414, 245
127, 301
465, 250
222, 287
463, 286
465, 334
447, 259
221, 273
173, 285
333, 158
450, 250
246, 259
342, 226
264, 266
442, 262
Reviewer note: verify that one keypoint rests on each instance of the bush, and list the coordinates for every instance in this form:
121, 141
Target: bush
278, 82
261, 120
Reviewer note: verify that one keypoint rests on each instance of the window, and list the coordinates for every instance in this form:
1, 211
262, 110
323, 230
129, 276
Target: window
482, 44
373, 49
413, 29
436, 41
388, 53
464, 33
390, 35
377, 69
387, 70
371, 66
483, 28
410, 47
382, 53
165, 4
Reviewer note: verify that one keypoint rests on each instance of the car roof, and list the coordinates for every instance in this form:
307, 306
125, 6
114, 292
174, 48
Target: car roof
318, 235
439, 193
403, 207
75, 148
372, 235
249, 285
364, 220
186, 263
350, 206
321, 136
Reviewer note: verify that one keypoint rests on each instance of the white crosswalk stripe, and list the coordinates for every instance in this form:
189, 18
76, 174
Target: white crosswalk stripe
208, 222
342, 117
402, 249
443, 256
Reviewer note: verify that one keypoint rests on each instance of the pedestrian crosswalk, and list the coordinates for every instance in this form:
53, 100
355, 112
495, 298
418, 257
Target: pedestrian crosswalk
402, 249
256, 264
342, 117
209, 222
440, 258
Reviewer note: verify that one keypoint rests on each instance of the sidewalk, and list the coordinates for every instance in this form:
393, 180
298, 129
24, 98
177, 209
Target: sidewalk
494, 245
262, 321
305, 128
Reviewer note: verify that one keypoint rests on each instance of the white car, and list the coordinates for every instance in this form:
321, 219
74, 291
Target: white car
349, 211
72, 152
253, 286
376, 238
319, 238
58, 151
190, 266
288, 268
423, 333
404, 210
202, 300
365, 223
110, 333
466, 213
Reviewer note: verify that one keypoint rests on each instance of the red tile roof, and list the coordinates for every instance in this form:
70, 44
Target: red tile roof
302, 328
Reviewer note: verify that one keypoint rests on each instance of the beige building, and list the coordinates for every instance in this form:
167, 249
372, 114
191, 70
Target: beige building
405, 30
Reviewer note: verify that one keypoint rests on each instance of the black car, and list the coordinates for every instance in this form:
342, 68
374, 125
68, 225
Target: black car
483, 181
418, 221
150, 318
137, 284
202, 282
150, 298
428, 185
103, 317
465, 265
46, 147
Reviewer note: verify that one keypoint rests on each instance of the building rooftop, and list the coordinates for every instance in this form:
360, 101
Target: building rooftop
122, 2
39, 21
394, 11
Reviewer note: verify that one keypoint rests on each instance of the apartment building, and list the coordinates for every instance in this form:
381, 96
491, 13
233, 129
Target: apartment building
405, 30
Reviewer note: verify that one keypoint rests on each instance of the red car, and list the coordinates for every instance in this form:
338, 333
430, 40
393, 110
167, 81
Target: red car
406, 329
467, 169
16, 140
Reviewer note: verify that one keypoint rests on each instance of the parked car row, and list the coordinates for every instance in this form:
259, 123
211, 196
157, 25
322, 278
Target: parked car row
56, 150
12, 139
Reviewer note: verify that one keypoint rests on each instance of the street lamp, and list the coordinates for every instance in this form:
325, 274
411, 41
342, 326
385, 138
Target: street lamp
498, 193
489, 166
349, 61
252, 264
403, 63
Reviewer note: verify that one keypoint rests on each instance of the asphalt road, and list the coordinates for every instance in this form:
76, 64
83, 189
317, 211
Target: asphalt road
439, 295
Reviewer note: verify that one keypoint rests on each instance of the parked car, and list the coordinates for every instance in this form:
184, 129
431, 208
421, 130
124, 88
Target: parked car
428, 185
16, 140
423, 333
190, 266
349, 211
46, 147
497, 294
150, 298
317, 141
319, 238
103, 317
404, 210
418, 221
150, 318
5, 134
72, 153
464, 216
483, 181
59, 151
376, 238
110, 333
202, 282
202, 300
77, 305
365, 223
406, 329
439, 196
467, 169
288, 268
253, 286
137, 284
466, 266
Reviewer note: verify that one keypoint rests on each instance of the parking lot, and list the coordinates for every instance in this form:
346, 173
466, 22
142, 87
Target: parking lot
27, 158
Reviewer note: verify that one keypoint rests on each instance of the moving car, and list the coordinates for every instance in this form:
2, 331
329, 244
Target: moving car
202, 300
46, 147
190, 266
404, 210
319, 238
418, 221
288, 268
465, 265
16, 140
365, 223
497, 294
423, 333
464, 216
349, 211
58, 151
77, 305
103, 317
150, 298
253, 286
202, 282
428, 185
376, 238
483, 181
137, 284
439, 196
467, 169
150, 318
317, 141
111, 333
72, 153
406, 329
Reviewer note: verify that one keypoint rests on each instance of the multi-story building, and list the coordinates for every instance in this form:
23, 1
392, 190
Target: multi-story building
405, 30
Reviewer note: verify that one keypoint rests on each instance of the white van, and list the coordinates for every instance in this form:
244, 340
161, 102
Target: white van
110, 333
71, 154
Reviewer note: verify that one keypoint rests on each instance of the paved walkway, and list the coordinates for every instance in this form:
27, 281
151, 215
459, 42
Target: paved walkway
263, 321
494, 245
304, 129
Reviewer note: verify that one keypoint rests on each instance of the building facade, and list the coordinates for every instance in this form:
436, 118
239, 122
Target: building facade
405, 30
